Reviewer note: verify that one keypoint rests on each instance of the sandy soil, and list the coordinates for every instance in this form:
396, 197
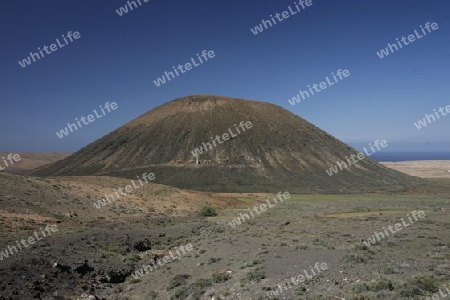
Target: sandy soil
422, 168
31, 160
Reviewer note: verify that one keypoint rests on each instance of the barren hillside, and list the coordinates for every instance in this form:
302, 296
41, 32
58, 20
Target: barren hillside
279, 151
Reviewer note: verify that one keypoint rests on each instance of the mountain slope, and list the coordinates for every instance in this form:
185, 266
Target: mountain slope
280, 152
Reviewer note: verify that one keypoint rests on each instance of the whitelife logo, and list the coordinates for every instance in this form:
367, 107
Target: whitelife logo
128, 189
124, 9
31, 241
379, 235
262, 207
165, 260
323, 85
225, 137
411, 38
423, 123
285, 14
27, 61
442, 295
90, 118
16, 158
162, 80
360, 156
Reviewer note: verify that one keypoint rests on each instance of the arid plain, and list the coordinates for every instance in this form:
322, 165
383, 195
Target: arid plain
96, 252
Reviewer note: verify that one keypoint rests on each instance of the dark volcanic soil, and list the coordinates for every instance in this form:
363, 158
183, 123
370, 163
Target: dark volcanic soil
83, 259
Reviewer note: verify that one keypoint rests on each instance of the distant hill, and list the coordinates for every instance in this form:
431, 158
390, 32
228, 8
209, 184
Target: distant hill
32, 160
281, 152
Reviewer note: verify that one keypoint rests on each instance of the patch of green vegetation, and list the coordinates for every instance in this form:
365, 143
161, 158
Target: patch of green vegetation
208, 211
391, 270
195, 290
254, 275
133, 281
178, 280
213, 260
109, 248
112, 250
380, 285
312, 297
418, 285
301, 247
351, 197
366, 213
253, 263
245, 199
133, 258
161, 192
25, 227
355, 258
57, 216
219, 278
331, 197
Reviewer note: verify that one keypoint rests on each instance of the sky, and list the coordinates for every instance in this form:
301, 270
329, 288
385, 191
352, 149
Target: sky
117, 58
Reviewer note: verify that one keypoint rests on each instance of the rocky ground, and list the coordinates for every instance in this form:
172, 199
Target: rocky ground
289, 238
95, 252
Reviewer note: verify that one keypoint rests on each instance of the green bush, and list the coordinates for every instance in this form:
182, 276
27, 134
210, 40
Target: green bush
418, 285
178, 280
195, 290
255, 275
218, 278
208, 211
381, 284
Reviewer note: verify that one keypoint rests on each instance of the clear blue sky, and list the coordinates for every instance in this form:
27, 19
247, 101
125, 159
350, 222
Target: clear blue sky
118, 57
